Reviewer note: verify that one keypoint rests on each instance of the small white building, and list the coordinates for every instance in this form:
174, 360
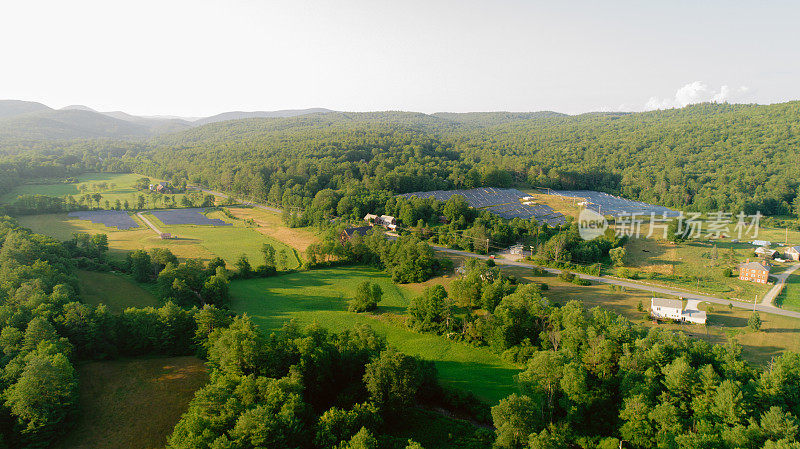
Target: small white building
761, 243
793, 253
666, 308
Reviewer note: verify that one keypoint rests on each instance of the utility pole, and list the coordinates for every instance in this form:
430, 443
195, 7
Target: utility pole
754, 303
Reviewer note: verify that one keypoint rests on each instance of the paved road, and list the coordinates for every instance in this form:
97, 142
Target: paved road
638, 286
769, 298
247, 203
148, 223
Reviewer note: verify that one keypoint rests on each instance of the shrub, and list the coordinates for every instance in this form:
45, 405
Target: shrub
566, 276
368, 295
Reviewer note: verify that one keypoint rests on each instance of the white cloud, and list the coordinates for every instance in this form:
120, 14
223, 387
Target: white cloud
698, 92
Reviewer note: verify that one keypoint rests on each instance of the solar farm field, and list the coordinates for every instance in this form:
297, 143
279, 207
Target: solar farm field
506, 203
119, 219
120, 243
190, 216
607, 204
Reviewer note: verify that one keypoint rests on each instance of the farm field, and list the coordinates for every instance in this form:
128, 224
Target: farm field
320, 296
132, 403
271, 224
117, 292
120, 243
118, 186
201, 242
228, 242
778, 334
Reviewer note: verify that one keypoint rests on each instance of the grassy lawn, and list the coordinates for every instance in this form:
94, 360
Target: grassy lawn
270, 224
229, 242
320, 296
789, 298
694, 261
119, 186
132, 403
120, 243
114, 290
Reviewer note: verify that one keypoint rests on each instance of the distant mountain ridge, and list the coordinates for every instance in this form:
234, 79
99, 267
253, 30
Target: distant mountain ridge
238, 115
30, 120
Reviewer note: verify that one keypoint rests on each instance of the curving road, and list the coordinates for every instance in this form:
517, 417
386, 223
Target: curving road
638, 286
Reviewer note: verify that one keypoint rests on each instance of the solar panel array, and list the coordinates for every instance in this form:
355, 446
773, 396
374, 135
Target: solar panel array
502, 202
187, 216
613, 205
111, 218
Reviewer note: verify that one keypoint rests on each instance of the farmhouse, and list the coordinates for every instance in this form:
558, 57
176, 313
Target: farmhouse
666, 308
793, 253
672, 309
387, 221
161, 187
765, 252
754, 271
349, 233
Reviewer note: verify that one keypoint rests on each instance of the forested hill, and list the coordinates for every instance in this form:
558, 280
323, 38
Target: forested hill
702, 157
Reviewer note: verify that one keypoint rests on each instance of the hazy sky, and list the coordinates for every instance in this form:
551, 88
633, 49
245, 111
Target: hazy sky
201, 57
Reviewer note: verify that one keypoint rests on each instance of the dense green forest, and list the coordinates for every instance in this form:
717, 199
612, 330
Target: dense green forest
701, 157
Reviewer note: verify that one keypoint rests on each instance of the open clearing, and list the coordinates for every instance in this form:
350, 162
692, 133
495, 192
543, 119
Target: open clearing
270, 224
115, 291
132, 403
118, 186
320, 296
229, 242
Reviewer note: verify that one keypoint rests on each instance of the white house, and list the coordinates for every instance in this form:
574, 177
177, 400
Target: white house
793, 253
765, 252
761, 243
673, 309
666, 308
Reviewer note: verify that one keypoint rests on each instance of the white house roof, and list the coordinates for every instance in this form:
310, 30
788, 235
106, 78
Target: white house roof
765, 250
793, 249
664, 302
761, 242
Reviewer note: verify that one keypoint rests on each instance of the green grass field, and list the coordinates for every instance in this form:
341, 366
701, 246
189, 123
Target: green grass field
229, 242
118, 186
132, 403
115, 291
320, 296
789, 298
